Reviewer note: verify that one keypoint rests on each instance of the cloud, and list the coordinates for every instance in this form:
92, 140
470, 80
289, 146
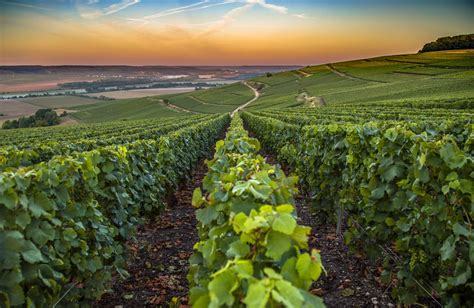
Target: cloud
193, 7
263, 3
29, 6
228, 18
88, 8
213, 26
301, 16
114, 8
206, 4
233, 14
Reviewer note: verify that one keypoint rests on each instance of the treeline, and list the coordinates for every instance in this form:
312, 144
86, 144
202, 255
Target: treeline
42, 117
128, 84
104, 83
465, 41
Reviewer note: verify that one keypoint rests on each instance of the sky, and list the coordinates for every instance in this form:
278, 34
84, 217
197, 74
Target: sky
221, 32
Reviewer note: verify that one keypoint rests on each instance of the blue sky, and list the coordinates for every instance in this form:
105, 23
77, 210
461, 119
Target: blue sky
222, 31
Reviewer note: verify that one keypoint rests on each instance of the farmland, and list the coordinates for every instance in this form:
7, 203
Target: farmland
124, 94
428, 76
341, 184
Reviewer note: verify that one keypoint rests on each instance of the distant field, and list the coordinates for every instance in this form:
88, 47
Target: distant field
35, 82
140, 93
129, 109
17, 108
13, 109
62, 101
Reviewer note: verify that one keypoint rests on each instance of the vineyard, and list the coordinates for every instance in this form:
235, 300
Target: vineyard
209, 210
402, 178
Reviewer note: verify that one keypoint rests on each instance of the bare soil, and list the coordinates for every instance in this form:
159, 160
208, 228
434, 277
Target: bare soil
138, 93
13, 109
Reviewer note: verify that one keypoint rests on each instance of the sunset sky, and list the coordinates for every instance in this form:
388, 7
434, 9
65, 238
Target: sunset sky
221, 32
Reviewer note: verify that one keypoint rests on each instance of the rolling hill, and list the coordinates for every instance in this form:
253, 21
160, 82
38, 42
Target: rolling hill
430, 76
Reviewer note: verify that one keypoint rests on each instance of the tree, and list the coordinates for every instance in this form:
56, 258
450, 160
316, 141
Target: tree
465, 41
42, 117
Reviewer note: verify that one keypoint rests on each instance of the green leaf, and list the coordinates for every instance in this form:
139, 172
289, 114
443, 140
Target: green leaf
284, 223
300, 236
69, 234
261, 192
221, 288
208, 249
448, 250
307, 269
41, 205
445, 189
391, 134
403, 225
378, 193
22, 219
238, 222
9, 198
285, 208
466, 186
206, 215
452, 176
462, 273
460, 230
244, 269
389, 221
290, 296
277, 244
17, 295
238, 249
11, 244
40, 233
311, 301
452, 156
270, 272
197, 200
253, 223
31, 253
257, 295
290, 273
392, 172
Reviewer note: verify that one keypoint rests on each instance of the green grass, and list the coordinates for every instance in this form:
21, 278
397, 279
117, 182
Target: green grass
130, 109
188, 103
63, 101
234, 94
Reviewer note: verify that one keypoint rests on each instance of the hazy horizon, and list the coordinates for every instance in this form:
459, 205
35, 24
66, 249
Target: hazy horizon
220, 32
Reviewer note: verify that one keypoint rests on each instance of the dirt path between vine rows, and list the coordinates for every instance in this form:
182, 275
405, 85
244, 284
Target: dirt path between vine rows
159, 259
